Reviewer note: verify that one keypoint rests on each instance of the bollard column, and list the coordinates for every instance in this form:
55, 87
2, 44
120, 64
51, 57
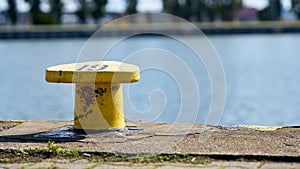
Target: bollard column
98, 91
98, 107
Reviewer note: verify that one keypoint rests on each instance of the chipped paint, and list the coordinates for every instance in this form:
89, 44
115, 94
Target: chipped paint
98, 107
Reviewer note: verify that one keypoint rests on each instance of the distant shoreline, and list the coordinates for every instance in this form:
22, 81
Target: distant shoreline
215, 28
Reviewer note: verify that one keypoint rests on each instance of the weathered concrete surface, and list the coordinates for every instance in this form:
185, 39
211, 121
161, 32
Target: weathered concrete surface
162, 138
266, 147
159, 138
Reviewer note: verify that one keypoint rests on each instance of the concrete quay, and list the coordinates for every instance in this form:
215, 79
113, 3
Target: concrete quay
55, 144
85, 31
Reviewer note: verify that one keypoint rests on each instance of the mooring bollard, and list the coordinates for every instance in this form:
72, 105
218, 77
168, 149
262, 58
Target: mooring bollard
98, 94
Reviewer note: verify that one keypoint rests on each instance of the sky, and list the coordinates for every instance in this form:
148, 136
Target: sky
143, 5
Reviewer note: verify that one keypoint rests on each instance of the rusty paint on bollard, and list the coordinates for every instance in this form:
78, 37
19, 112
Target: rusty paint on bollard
98, 94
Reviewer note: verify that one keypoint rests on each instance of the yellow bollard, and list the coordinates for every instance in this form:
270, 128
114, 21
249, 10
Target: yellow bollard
98, 94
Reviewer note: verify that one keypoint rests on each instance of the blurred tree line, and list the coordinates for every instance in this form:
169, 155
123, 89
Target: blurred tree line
93, 8
193, 10
296, 7
225, 10
198, 10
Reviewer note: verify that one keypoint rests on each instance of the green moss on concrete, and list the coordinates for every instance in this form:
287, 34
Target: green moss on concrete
55, 152
55, 149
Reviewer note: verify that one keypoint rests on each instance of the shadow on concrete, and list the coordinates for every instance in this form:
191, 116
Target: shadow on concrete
70, 134
64, 134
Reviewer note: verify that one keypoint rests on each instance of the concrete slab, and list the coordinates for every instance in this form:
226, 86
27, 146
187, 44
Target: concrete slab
123, 166
280, 165
15, 166
30, 127
116, 165
159, 138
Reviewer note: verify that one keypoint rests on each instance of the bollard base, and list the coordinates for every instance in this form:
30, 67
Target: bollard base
87, 132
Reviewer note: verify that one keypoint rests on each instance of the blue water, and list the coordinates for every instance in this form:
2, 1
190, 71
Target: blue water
262, 75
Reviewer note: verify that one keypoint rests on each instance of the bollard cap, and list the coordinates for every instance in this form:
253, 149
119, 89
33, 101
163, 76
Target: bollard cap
93, 72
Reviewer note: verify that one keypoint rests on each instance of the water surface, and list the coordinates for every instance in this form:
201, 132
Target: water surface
262, 73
